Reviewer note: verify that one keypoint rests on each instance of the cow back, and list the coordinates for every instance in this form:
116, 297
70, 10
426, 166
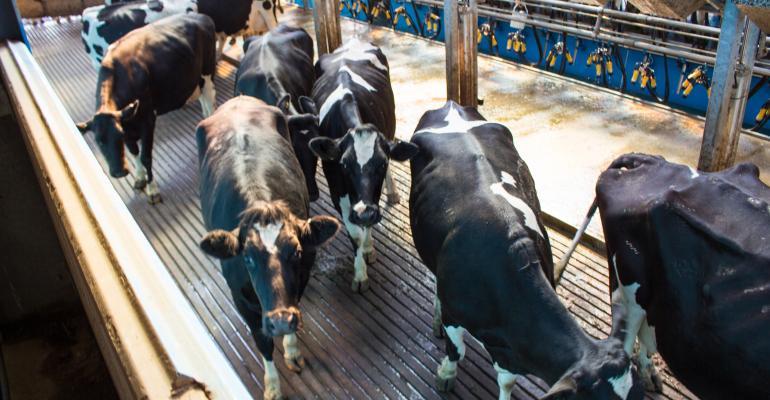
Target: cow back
230, 16
245, 156
285, 55
360, 69
162, 63
456, 183
697, 243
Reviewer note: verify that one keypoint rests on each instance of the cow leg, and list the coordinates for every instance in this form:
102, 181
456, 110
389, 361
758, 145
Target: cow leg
505, 381
265, 346
358, 237
140, 173
146, 157
648, 345
291, 354
437, 325
208, 98
455, 349
393, 197
370, 256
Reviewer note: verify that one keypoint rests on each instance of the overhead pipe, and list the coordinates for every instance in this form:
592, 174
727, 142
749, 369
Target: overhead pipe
586, 34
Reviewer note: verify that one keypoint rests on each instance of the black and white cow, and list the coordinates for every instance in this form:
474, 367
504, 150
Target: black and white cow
103, 25
690, 260
278, 69
358, 125
255, 204
476, 224
149, 72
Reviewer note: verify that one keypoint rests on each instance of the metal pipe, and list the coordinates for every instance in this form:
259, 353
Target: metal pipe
629, 43
716, 144
743, 74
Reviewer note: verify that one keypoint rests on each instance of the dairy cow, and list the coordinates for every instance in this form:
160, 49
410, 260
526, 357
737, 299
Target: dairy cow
278, 68
690, 262
149, 72
476, 224
357, 124
103, 25
255, 205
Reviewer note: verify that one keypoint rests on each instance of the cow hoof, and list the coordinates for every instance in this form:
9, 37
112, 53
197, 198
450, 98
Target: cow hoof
360, 286
295, 364
273, 392
140, 184
155, 199
445, 385
651, 379
370, 257
393, 200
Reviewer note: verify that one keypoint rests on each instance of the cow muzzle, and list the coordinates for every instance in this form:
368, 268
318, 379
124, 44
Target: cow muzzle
365, 215
281, 322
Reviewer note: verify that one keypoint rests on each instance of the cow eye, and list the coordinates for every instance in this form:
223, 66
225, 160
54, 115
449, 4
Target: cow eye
267, 5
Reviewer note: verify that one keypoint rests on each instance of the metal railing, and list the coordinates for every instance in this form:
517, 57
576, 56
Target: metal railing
154, 344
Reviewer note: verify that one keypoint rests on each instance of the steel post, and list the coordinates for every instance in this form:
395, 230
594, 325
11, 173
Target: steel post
460, 21
326, 19
719, 142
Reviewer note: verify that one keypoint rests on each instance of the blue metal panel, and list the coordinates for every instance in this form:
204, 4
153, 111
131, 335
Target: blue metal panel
668, 71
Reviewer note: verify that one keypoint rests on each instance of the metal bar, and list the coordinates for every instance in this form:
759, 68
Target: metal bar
716, 146
469, 93
586, 34
326, 19
452, 39
743, 74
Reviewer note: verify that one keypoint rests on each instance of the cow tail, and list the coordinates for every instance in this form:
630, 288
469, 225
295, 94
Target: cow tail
559, 268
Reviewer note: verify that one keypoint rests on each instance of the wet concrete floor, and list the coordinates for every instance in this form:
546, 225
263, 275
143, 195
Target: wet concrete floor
567, 132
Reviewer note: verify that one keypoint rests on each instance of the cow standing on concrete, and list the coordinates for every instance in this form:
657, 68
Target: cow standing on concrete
278, 69
149, 72
476, 224
255, 204
103, 25
358, 125
690, 262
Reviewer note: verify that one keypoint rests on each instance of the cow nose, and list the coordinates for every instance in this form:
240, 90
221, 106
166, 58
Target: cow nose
365, 215
281, 322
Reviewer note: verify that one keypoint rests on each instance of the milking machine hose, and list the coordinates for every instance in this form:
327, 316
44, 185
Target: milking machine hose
539, 48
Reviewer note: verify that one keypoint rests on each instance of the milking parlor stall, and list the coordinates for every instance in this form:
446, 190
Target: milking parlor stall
384, 199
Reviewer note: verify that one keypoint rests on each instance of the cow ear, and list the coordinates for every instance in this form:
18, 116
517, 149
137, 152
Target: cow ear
84, 127
284, 103
308, 105
319, 230
402, 151
325, 148
129, 112
221, 244
564, 389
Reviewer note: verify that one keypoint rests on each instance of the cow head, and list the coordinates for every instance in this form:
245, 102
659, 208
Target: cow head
303, 127
604, 373
270, 242
363, 155
108, 132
